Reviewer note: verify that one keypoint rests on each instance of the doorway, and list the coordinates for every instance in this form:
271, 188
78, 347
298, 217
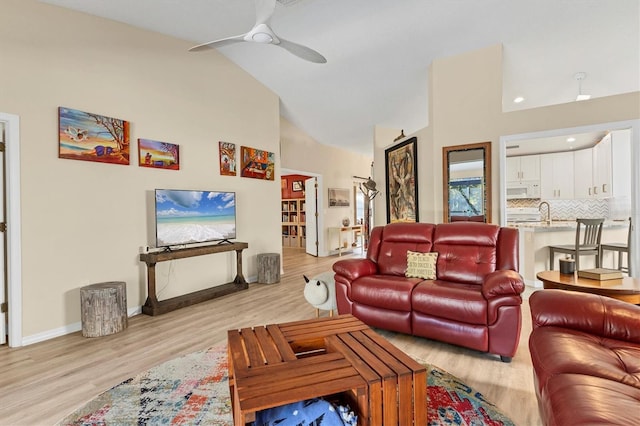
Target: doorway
4, 291
634, 125
11, 257
317, 247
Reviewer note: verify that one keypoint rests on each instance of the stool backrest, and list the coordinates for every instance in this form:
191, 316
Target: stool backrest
592, 232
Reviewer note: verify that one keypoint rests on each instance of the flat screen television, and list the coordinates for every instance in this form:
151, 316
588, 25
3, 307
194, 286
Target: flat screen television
189, 217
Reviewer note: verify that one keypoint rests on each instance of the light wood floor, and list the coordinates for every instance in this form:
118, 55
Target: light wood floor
41, 383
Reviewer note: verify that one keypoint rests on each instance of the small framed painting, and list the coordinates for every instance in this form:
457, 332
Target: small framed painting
297, 186
257, 164
227, 155
92, 137
158, 155
339, 197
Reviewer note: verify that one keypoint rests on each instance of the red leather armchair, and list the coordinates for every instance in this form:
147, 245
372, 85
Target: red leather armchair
474, 301
585, 351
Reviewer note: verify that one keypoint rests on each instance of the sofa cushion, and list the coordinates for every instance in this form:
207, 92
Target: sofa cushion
456, 301
467, 251
556, 350
421, 265
395, 240
384, 291
474, 336
575, 399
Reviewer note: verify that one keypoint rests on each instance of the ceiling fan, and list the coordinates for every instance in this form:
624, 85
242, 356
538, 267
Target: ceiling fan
262, 33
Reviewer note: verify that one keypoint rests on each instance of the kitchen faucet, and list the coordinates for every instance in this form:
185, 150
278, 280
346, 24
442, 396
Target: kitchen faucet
548, 211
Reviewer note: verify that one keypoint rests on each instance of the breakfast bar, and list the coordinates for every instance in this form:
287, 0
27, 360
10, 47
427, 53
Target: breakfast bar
536, 237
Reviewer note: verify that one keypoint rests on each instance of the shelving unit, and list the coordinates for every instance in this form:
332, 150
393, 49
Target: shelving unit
294, 230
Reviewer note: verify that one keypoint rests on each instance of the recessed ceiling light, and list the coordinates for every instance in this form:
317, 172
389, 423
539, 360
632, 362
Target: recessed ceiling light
571, 139
518, 99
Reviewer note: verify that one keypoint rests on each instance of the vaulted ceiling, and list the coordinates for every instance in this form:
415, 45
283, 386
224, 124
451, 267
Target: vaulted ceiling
378, 52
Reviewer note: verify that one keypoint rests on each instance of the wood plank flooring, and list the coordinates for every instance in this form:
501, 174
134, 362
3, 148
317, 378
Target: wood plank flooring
41, 383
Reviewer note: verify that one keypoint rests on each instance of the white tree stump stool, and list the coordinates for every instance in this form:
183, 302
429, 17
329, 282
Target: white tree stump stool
104, 308
268, 268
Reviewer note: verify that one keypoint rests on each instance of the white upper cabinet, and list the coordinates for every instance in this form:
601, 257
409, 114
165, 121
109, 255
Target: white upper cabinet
604, 171
621, 163
583, 176
526, 167
602, 168
556, 176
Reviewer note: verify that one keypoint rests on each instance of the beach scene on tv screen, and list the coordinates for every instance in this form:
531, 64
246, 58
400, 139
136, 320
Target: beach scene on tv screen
184, 217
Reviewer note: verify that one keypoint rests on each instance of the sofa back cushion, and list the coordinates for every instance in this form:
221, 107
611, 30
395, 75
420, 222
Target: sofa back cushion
388, 245
467, 251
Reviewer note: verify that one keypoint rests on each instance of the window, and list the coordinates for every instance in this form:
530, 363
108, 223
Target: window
465, 197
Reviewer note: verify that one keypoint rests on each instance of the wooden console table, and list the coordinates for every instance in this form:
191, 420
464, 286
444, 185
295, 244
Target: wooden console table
153, 306
357, 233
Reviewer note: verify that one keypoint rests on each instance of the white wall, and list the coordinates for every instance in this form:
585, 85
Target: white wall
83, 222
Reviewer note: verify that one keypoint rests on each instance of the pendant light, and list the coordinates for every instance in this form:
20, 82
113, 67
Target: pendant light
581, 76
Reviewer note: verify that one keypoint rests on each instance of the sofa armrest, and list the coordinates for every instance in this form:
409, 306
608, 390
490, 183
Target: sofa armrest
501, 283
590, 313
353, 269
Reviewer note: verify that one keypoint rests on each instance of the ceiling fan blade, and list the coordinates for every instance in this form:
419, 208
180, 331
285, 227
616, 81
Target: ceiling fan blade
218, 43
301, 51
264, 10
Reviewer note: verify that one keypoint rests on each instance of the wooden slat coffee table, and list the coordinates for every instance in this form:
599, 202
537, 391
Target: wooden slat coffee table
338, 357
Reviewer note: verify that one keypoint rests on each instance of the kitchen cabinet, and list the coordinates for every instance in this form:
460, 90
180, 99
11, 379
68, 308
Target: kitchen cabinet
602, 168
526, 167
583, 176
621, 163
556, 176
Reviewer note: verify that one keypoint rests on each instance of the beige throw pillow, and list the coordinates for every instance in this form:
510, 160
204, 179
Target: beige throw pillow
421, 265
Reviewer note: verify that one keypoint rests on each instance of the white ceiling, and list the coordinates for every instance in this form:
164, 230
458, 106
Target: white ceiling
554, 144
378, 52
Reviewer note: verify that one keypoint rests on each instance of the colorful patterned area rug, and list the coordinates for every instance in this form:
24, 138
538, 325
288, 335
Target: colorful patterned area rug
193, 390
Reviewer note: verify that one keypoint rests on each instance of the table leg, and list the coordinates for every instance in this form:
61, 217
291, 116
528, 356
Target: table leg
239, 279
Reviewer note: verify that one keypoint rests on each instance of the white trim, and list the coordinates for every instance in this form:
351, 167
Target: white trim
634, 125
67, 329
52, 334
14, 242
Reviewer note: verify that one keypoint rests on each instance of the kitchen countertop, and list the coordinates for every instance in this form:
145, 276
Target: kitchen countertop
562, 225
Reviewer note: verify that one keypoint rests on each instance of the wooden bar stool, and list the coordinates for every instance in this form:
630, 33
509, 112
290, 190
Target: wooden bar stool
621, 248
587, 243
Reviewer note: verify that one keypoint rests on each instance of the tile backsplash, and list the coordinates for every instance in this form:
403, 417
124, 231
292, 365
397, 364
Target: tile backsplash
573, 209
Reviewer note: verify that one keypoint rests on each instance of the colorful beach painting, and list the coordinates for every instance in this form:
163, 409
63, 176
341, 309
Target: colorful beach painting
159, 155
92, 137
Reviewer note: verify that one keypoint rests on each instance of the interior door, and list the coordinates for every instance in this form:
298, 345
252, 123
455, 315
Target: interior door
311, 208
3, 239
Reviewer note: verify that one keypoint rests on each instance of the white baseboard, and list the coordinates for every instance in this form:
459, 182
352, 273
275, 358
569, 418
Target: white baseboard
50, 334
67, 329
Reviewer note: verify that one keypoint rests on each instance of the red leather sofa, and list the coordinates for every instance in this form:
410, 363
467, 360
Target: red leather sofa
474, 301
585, 351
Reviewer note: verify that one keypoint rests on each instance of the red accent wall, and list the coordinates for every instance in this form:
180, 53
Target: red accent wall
287, 183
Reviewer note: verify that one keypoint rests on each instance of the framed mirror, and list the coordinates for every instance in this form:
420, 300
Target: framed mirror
466, 180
